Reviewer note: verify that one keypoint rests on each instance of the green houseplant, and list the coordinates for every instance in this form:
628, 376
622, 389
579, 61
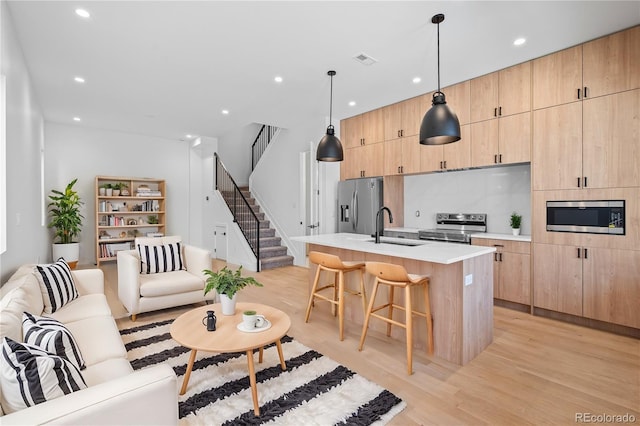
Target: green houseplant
66, 220
516, 221
227, 283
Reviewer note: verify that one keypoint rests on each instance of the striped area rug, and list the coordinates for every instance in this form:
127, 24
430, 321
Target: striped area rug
314, 390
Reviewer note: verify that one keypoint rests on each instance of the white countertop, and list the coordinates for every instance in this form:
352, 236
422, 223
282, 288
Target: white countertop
510, 237
426, 251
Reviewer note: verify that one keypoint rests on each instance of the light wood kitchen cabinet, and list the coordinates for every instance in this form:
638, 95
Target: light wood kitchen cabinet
403, 119
592, 282
502, 93
557, 278
363, 161
362, 129
600, 67
458, 97
452, 156
511, 269
402, 156
590, 144
503, 141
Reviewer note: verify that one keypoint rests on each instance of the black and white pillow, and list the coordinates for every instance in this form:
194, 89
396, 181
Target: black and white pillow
31, 376
56, 284
160, 258
52, 336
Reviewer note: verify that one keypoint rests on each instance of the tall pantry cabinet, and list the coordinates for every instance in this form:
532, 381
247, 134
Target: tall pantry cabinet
586, 146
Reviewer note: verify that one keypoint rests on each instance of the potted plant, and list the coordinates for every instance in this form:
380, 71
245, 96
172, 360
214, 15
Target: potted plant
516, 221
119, 187
66, 219
108, 189
227, 283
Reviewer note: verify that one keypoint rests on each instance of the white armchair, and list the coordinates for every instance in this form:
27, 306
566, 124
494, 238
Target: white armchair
141, 292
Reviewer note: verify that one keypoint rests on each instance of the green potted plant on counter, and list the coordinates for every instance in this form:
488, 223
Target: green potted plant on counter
227, 283
516, 221
66, 219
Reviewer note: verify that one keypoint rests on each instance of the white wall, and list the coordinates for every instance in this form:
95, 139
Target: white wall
234, 149
27, 238
497, 191
76, 152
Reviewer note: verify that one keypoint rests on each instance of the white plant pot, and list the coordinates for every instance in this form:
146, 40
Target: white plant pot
516, 231
102, 191
69, 252
228, 305
109, 192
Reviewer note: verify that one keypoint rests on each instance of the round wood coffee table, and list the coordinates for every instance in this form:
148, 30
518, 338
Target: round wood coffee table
189, 331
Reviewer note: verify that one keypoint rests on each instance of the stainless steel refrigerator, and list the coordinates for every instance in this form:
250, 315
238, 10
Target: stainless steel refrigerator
358, 203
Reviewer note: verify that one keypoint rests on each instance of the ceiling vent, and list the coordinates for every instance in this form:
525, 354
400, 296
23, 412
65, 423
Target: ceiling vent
365, 59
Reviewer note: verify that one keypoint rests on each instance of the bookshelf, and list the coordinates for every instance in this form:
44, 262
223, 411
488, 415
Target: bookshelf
137, 209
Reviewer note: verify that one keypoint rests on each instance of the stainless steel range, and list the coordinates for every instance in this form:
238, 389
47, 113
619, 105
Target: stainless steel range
455, 227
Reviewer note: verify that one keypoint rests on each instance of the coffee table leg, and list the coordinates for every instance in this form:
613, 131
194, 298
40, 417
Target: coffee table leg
282, 363
252, 380
187, 374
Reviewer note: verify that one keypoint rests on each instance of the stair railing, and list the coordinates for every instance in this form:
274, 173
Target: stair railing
260, 144
242, 212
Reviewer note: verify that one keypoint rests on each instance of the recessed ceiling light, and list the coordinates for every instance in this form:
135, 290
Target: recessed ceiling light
76, 119
352, 103
83, 13
519, 41
225, 111
416, 80
278, 79
188, 136
79, 79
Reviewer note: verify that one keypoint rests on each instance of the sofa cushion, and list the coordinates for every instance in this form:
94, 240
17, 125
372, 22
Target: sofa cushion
160, 258
51, 336
56, 285
169, 283
98, 338
90, 305
25, 278
107, 370
12, 305
31, 376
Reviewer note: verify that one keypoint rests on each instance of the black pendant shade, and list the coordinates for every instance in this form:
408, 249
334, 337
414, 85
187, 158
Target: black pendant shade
440, 125
330, 147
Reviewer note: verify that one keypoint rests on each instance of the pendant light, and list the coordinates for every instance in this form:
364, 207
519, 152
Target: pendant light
440, 125
330, 147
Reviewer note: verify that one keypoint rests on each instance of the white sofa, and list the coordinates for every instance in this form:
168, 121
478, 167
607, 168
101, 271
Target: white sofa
140, 292
115, 393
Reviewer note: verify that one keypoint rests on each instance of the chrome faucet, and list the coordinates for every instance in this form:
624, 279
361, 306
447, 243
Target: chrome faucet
378, 232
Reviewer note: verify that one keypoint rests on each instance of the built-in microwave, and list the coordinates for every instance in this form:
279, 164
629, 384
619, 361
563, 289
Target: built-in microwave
591, 217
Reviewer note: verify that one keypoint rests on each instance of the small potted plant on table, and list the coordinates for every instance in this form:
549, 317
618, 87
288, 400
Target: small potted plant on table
227, 283
516, 221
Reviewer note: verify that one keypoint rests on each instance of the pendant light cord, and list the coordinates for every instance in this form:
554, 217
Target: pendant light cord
438, 56
331, 101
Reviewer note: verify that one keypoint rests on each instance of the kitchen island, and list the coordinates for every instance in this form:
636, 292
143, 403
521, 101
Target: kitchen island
461, 288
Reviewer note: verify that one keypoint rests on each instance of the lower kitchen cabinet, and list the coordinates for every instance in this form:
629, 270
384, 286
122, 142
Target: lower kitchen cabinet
511, 269
591, 282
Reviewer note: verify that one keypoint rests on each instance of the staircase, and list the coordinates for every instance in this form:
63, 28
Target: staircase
272, 253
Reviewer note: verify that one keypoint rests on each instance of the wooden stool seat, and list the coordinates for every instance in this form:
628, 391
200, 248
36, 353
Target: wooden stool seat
396, 276
332, 263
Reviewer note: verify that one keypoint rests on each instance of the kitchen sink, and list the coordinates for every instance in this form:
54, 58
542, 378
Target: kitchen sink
398, 242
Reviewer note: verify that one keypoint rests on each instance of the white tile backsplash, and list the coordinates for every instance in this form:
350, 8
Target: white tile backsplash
496, 191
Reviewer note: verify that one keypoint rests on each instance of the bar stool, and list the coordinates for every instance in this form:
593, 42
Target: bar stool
332, 263
396, 276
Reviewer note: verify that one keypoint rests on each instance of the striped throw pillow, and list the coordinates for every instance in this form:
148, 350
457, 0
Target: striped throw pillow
51, 336
31, 376
56, 284
160, 258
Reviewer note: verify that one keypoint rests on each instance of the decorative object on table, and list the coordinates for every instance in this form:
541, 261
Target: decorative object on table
227, 283
516, 221
323, 386
66, 219
251, 320
210, 321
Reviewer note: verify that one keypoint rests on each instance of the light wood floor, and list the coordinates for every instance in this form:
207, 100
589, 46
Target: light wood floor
536, 371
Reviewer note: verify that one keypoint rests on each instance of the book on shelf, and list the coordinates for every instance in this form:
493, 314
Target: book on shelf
148, 194
111, 249
155, 234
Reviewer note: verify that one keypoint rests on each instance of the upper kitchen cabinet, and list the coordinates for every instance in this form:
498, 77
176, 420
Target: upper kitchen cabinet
600, 67
503, 141
590, 144
502, 93
403, 119
363, 129
458, 98
363, 161
402, 156
452, 156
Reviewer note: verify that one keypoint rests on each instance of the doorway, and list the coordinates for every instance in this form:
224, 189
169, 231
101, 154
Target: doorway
221, 241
